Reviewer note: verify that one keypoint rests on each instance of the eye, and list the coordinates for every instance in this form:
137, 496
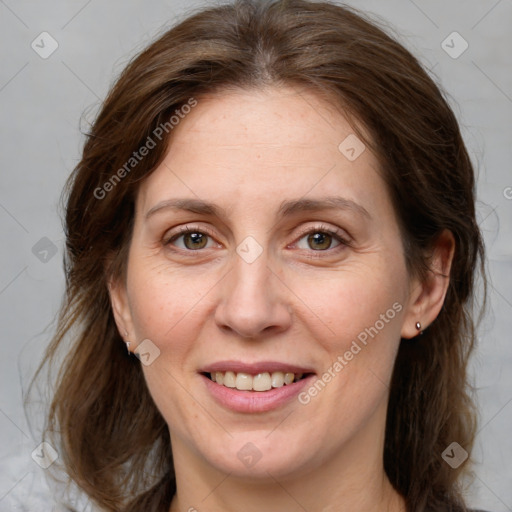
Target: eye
190, 239
320, 239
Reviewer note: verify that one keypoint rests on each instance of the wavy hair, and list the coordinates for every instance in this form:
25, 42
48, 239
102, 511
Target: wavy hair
114, 443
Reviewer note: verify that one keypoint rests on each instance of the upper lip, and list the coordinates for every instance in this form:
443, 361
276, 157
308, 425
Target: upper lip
254, 368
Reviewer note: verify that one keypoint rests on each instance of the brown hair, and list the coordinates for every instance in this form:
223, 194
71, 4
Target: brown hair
114, 442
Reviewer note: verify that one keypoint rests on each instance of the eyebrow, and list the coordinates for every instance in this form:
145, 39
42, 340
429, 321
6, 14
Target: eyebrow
190, 205
286, 208
326, 203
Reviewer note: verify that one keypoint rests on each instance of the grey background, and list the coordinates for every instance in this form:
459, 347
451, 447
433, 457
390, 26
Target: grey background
42, 101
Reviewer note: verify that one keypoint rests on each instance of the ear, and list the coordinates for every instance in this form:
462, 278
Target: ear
121, 309
426, 297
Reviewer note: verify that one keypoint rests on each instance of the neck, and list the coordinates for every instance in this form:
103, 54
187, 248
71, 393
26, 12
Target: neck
229, 495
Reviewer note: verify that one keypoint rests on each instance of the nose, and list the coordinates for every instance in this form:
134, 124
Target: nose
254, 301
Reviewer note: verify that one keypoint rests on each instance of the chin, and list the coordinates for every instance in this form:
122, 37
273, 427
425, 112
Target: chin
259, 457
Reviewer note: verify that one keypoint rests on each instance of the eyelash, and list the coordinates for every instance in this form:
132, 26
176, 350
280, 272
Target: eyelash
184, 230
343, 242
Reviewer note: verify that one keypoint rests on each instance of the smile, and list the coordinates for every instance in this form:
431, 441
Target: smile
260, 382
254, 387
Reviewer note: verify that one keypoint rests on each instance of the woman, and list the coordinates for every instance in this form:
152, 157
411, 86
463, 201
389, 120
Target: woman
275, 213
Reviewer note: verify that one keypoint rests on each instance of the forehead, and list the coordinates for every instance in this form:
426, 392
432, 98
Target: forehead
250, 144
266, 118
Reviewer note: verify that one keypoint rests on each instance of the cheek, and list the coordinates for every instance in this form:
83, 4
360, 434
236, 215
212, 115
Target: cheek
168, 308
165, 303
363, 311
346, 304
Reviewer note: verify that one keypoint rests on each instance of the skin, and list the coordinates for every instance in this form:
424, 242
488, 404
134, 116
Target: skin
248, 151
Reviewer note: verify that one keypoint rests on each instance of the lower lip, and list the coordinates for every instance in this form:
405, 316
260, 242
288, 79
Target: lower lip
254, 401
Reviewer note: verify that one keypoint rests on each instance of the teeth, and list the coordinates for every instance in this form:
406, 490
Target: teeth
229, 379
277, 379
243, 382
261, 382
288, 378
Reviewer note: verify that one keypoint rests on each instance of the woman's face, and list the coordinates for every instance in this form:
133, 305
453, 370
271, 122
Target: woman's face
292, 266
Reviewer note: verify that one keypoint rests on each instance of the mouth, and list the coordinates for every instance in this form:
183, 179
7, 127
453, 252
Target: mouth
254, 388
260, 382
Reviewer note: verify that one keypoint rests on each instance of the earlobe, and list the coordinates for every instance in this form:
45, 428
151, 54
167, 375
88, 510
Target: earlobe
427, 297
121, 310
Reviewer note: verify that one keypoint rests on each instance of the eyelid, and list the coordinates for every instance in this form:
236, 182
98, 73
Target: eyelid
183, 230
342, 236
